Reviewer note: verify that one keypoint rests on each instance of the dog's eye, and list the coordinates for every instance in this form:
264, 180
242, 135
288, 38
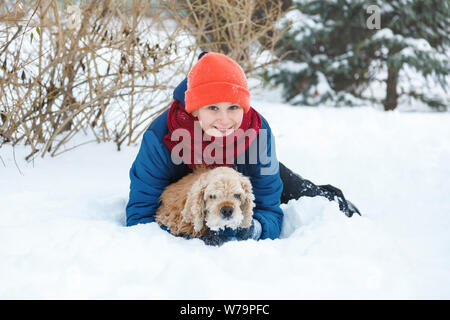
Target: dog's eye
237, 195
212, 196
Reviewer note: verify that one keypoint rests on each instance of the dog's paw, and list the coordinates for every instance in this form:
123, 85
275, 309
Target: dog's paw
212, 238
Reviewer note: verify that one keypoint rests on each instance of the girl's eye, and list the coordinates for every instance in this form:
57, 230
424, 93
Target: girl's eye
212, 108
234, 107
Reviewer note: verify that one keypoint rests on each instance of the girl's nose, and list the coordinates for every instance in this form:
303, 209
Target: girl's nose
223, 118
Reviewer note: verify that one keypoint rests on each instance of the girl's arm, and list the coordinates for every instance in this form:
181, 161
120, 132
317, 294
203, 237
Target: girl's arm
267, 188
149, 177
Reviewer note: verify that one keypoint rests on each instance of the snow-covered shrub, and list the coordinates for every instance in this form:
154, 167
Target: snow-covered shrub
334, 55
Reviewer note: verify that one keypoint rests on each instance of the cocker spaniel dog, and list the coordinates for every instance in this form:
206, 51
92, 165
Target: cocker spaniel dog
206, 201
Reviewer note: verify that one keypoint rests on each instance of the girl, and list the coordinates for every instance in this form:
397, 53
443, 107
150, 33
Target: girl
211, 122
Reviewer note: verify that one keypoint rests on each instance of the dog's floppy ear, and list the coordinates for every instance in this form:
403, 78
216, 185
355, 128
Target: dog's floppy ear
247, 203
193, 208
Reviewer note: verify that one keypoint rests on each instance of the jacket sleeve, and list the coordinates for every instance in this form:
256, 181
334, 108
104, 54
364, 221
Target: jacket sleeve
267, 188
149, 176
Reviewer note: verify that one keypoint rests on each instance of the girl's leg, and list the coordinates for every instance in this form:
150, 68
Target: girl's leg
294, 187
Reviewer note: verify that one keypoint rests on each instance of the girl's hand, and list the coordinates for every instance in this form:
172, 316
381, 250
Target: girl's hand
214, 238
253, 232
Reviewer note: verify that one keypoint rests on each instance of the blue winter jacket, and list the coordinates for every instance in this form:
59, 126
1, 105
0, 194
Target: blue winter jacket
153, 170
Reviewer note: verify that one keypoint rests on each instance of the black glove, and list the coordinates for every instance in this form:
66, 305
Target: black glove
214, 238
246, 233
217, 238
252, 232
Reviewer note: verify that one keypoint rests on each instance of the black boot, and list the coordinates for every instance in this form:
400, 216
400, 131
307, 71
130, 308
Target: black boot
294, 187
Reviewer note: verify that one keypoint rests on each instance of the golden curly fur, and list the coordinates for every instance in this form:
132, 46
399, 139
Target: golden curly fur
207, 198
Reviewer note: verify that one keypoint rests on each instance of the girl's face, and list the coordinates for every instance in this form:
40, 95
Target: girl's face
220, 119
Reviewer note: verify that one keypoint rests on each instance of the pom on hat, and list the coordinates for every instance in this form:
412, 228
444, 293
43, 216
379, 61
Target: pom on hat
216, 78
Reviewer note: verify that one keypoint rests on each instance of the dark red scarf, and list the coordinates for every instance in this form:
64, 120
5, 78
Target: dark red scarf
205, 149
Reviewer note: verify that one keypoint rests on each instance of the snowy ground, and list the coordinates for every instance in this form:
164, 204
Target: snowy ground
62, 232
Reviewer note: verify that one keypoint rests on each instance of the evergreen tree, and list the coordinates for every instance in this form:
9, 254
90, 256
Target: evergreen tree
332, 54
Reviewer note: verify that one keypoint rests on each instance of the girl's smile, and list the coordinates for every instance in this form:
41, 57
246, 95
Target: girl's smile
220, 119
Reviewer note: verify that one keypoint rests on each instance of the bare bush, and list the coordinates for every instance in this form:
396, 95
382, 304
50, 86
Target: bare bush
107, 71
242, 29
108, 68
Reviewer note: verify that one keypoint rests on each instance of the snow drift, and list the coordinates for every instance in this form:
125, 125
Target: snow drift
63, 234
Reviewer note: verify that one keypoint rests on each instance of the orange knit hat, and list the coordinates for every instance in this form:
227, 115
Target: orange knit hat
216, 78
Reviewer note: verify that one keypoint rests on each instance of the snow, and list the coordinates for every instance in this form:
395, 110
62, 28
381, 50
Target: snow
63, 233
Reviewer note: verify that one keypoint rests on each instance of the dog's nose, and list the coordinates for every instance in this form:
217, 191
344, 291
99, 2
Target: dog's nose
226, 211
